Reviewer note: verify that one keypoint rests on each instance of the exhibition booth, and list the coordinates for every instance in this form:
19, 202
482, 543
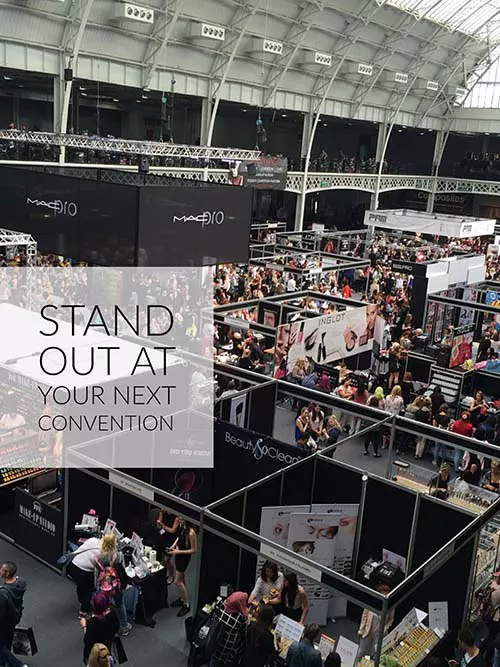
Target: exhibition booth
349, 242
309, 267
266, 232
326, 521
318, 328
432, 224
158, 222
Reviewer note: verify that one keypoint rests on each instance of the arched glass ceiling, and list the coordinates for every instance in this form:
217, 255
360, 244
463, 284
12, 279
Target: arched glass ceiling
478, 18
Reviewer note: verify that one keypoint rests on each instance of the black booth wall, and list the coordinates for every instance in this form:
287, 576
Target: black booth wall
86, 220
387, 520
111, 224
437, 524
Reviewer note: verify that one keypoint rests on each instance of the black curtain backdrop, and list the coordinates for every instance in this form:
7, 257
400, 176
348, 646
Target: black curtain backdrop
437, 524
219, 566
387, 521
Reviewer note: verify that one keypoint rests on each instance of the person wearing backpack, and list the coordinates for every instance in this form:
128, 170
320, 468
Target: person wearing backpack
109, 574
232, 615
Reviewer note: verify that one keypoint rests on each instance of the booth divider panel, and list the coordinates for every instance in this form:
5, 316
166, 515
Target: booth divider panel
232, 509
450, 583
387, 520
131, 514
298, 484
437, 524
86, 492
193, 485
262, 401
336, 484
219, 565
264, 495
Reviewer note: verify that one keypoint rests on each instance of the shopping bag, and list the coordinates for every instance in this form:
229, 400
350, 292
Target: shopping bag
24, 642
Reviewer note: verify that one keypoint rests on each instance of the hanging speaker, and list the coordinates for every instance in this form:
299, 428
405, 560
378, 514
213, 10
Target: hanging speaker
68, 74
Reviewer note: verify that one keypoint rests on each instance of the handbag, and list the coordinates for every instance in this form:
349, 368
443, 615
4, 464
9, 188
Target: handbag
24, 642
118, 651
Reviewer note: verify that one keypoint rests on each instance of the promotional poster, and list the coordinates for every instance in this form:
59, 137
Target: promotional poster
328, 338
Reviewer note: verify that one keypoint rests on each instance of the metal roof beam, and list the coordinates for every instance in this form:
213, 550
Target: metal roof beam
156, 46
282, 63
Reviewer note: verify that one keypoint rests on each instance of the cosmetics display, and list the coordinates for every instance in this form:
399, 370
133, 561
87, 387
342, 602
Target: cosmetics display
415, 646
470, 497
412, 476
487, 562
19, 456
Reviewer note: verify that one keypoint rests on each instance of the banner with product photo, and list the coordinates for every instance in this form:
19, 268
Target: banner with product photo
331, 337
238, 409
461, 346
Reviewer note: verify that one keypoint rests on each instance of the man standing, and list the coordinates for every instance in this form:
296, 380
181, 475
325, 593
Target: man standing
12, 592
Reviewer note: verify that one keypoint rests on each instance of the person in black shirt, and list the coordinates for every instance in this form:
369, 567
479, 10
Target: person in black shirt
439, 484
472, 655
441, 420
100, 627
259, 643
437, 399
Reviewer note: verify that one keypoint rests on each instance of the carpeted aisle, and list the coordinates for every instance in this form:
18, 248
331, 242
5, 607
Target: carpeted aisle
51, 608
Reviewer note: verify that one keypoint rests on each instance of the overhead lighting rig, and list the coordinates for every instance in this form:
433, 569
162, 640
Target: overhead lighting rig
154, 148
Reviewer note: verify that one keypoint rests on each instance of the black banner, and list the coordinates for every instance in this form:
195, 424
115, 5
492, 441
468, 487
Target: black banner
202, 227
243, 457
267, 173
38, 527
86, 220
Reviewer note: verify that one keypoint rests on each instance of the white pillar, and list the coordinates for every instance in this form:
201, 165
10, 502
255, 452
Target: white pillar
307, 128
439, 145
379, 156
58, 96
206, 109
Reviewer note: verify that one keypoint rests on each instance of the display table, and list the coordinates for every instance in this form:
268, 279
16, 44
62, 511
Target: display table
412, 476
153, 595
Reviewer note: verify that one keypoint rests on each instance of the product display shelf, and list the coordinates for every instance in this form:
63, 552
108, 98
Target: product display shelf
487, 562
414, 648
19, 456
470, 497
412, 476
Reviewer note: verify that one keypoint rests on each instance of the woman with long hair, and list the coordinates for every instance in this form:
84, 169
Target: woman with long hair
167, 525
268, 586
294, 602
109, 575
100, 656
183, 548
259, 642
100, 627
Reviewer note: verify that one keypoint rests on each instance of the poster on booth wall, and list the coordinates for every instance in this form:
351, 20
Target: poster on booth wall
314, 536
466, 314
274, 524
347, 516
331, 337
237, 413
461, 346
